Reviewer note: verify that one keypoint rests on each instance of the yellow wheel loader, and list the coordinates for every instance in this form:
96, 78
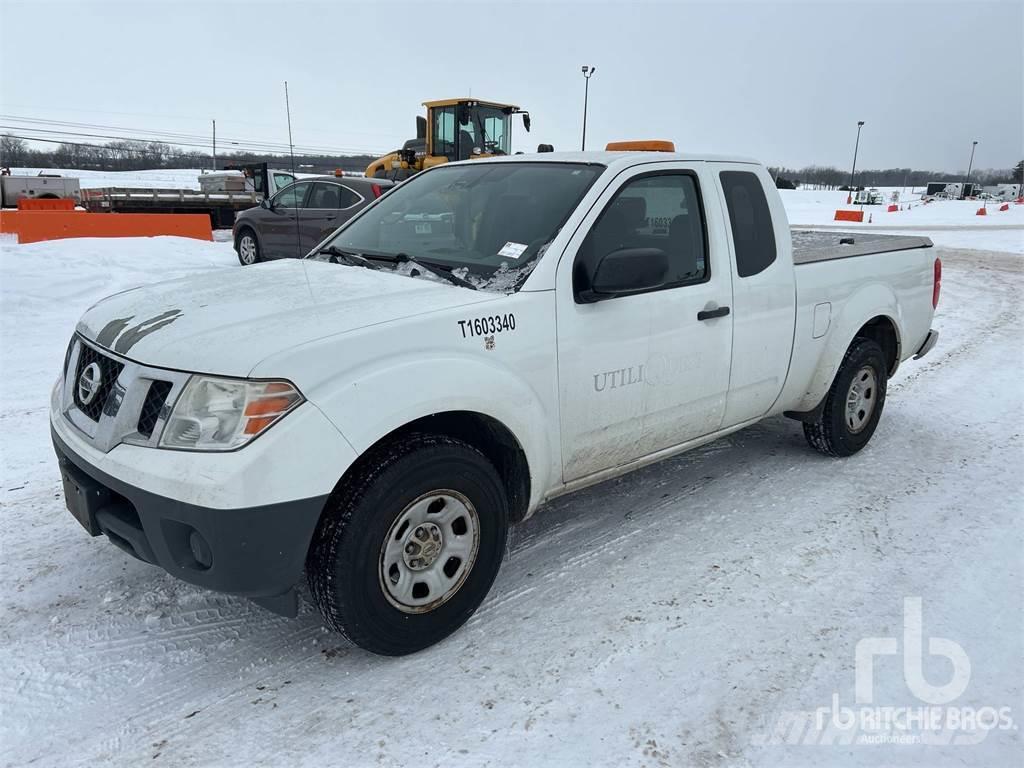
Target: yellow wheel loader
454, 129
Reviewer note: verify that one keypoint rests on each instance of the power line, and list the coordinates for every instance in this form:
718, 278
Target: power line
161, 135
159, 132
167, 137
183, 118
139, 151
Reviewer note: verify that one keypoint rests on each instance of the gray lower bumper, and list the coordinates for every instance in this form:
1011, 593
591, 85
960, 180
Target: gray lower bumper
929, 342
257, 552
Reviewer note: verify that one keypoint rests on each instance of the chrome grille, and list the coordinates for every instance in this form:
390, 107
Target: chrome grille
132, 404
109, 371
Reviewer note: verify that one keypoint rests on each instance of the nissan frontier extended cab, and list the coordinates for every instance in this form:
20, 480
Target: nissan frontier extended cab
485, 337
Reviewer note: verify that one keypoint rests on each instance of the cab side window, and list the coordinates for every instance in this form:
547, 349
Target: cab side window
657, 211
292, 197
753, 235
282, 180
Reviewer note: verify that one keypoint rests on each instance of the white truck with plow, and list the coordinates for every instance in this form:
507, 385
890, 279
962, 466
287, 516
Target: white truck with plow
486, 336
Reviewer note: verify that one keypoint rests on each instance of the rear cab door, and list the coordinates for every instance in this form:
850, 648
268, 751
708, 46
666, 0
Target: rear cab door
328, 207
764, 290
645, 372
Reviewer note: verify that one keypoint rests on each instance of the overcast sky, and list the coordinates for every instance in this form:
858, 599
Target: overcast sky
783, 82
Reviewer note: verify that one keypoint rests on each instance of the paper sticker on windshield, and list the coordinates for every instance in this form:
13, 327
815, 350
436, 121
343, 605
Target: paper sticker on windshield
512, 250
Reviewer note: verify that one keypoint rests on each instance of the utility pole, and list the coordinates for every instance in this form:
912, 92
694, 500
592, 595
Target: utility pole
215, 145
853, 171
588, 72
970, 165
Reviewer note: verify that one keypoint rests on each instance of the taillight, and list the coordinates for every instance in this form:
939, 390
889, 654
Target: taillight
377, 192
937, 283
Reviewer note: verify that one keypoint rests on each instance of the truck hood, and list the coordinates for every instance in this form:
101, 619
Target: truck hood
227, 321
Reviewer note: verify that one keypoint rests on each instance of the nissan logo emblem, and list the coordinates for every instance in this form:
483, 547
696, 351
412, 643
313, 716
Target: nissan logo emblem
89, 383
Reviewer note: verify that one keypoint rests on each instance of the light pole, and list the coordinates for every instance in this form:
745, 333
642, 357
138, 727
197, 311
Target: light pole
588, 72
853, 171
969, 166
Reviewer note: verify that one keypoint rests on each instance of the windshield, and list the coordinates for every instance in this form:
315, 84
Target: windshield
485, 129
487, 223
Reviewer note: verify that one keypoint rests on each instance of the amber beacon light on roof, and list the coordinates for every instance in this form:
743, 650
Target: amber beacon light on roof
650, 145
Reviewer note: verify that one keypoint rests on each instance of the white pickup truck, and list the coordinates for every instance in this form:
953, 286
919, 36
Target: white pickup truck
484, 337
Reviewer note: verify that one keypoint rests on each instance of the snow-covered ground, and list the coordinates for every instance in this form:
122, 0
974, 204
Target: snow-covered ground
949, 223
683, 615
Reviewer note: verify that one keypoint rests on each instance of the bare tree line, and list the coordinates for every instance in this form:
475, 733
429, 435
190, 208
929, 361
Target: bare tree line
827, 177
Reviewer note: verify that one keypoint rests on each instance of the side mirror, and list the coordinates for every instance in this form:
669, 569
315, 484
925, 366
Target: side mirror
421, 127
625, 272
526, 121
266, 203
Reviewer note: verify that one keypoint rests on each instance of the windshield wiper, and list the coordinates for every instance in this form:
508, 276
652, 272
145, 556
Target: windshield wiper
338, 256
444, 272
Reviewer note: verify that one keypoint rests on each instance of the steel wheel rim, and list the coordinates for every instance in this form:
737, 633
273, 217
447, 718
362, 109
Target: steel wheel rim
861, 399
247, 249
429, 551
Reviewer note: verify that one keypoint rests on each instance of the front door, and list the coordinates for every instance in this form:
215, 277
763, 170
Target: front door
641, 373
280, 228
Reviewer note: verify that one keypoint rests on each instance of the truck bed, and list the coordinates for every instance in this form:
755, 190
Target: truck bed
221, 206
815, 245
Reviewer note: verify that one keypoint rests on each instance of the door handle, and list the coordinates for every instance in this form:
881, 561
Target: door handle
711, 314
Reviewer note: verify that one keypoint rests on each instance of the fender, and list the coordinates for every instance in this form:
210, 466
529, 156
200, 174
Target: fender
420, 384
822, 357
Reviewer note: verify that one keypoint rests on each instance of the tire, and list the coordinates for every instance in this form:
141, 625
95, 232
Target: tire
248, 248
371, 523
854, 404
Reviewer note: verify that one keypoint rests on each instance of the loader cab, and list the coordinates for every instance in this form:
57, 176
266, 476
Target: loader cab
460, 129
453, 129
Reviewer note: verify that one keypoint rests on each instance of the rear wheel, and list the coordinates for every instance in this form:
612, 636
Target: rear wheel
854, 404
248, 248
408, 549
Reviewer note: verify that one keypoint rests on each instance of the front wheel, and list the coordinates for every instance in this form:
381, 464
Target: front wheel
406, 551
248, 248
853, 404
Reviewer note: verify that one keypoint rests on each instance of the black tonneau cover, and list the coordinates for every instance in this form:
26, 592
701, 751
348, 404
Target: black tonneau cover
817, 245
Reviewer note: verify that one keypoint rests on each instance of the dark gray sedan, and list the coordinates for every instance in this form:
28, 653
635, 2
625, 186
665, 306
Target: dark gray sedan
298, 217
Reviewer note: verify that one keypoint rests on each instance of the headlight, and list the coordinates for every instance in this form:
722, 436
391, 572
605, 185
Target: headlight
222, 414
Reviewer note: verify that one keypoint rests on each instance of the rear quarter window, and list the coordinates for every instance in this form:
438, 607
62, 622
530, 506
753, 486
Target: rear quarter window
753, 235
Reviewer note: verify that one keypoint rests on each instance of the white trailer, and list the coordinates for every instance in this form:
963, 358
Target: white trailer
45, 187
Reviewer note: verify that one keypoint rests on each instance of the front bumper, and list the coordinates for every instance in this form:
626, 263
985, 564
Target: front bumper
258, 552
929, 343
